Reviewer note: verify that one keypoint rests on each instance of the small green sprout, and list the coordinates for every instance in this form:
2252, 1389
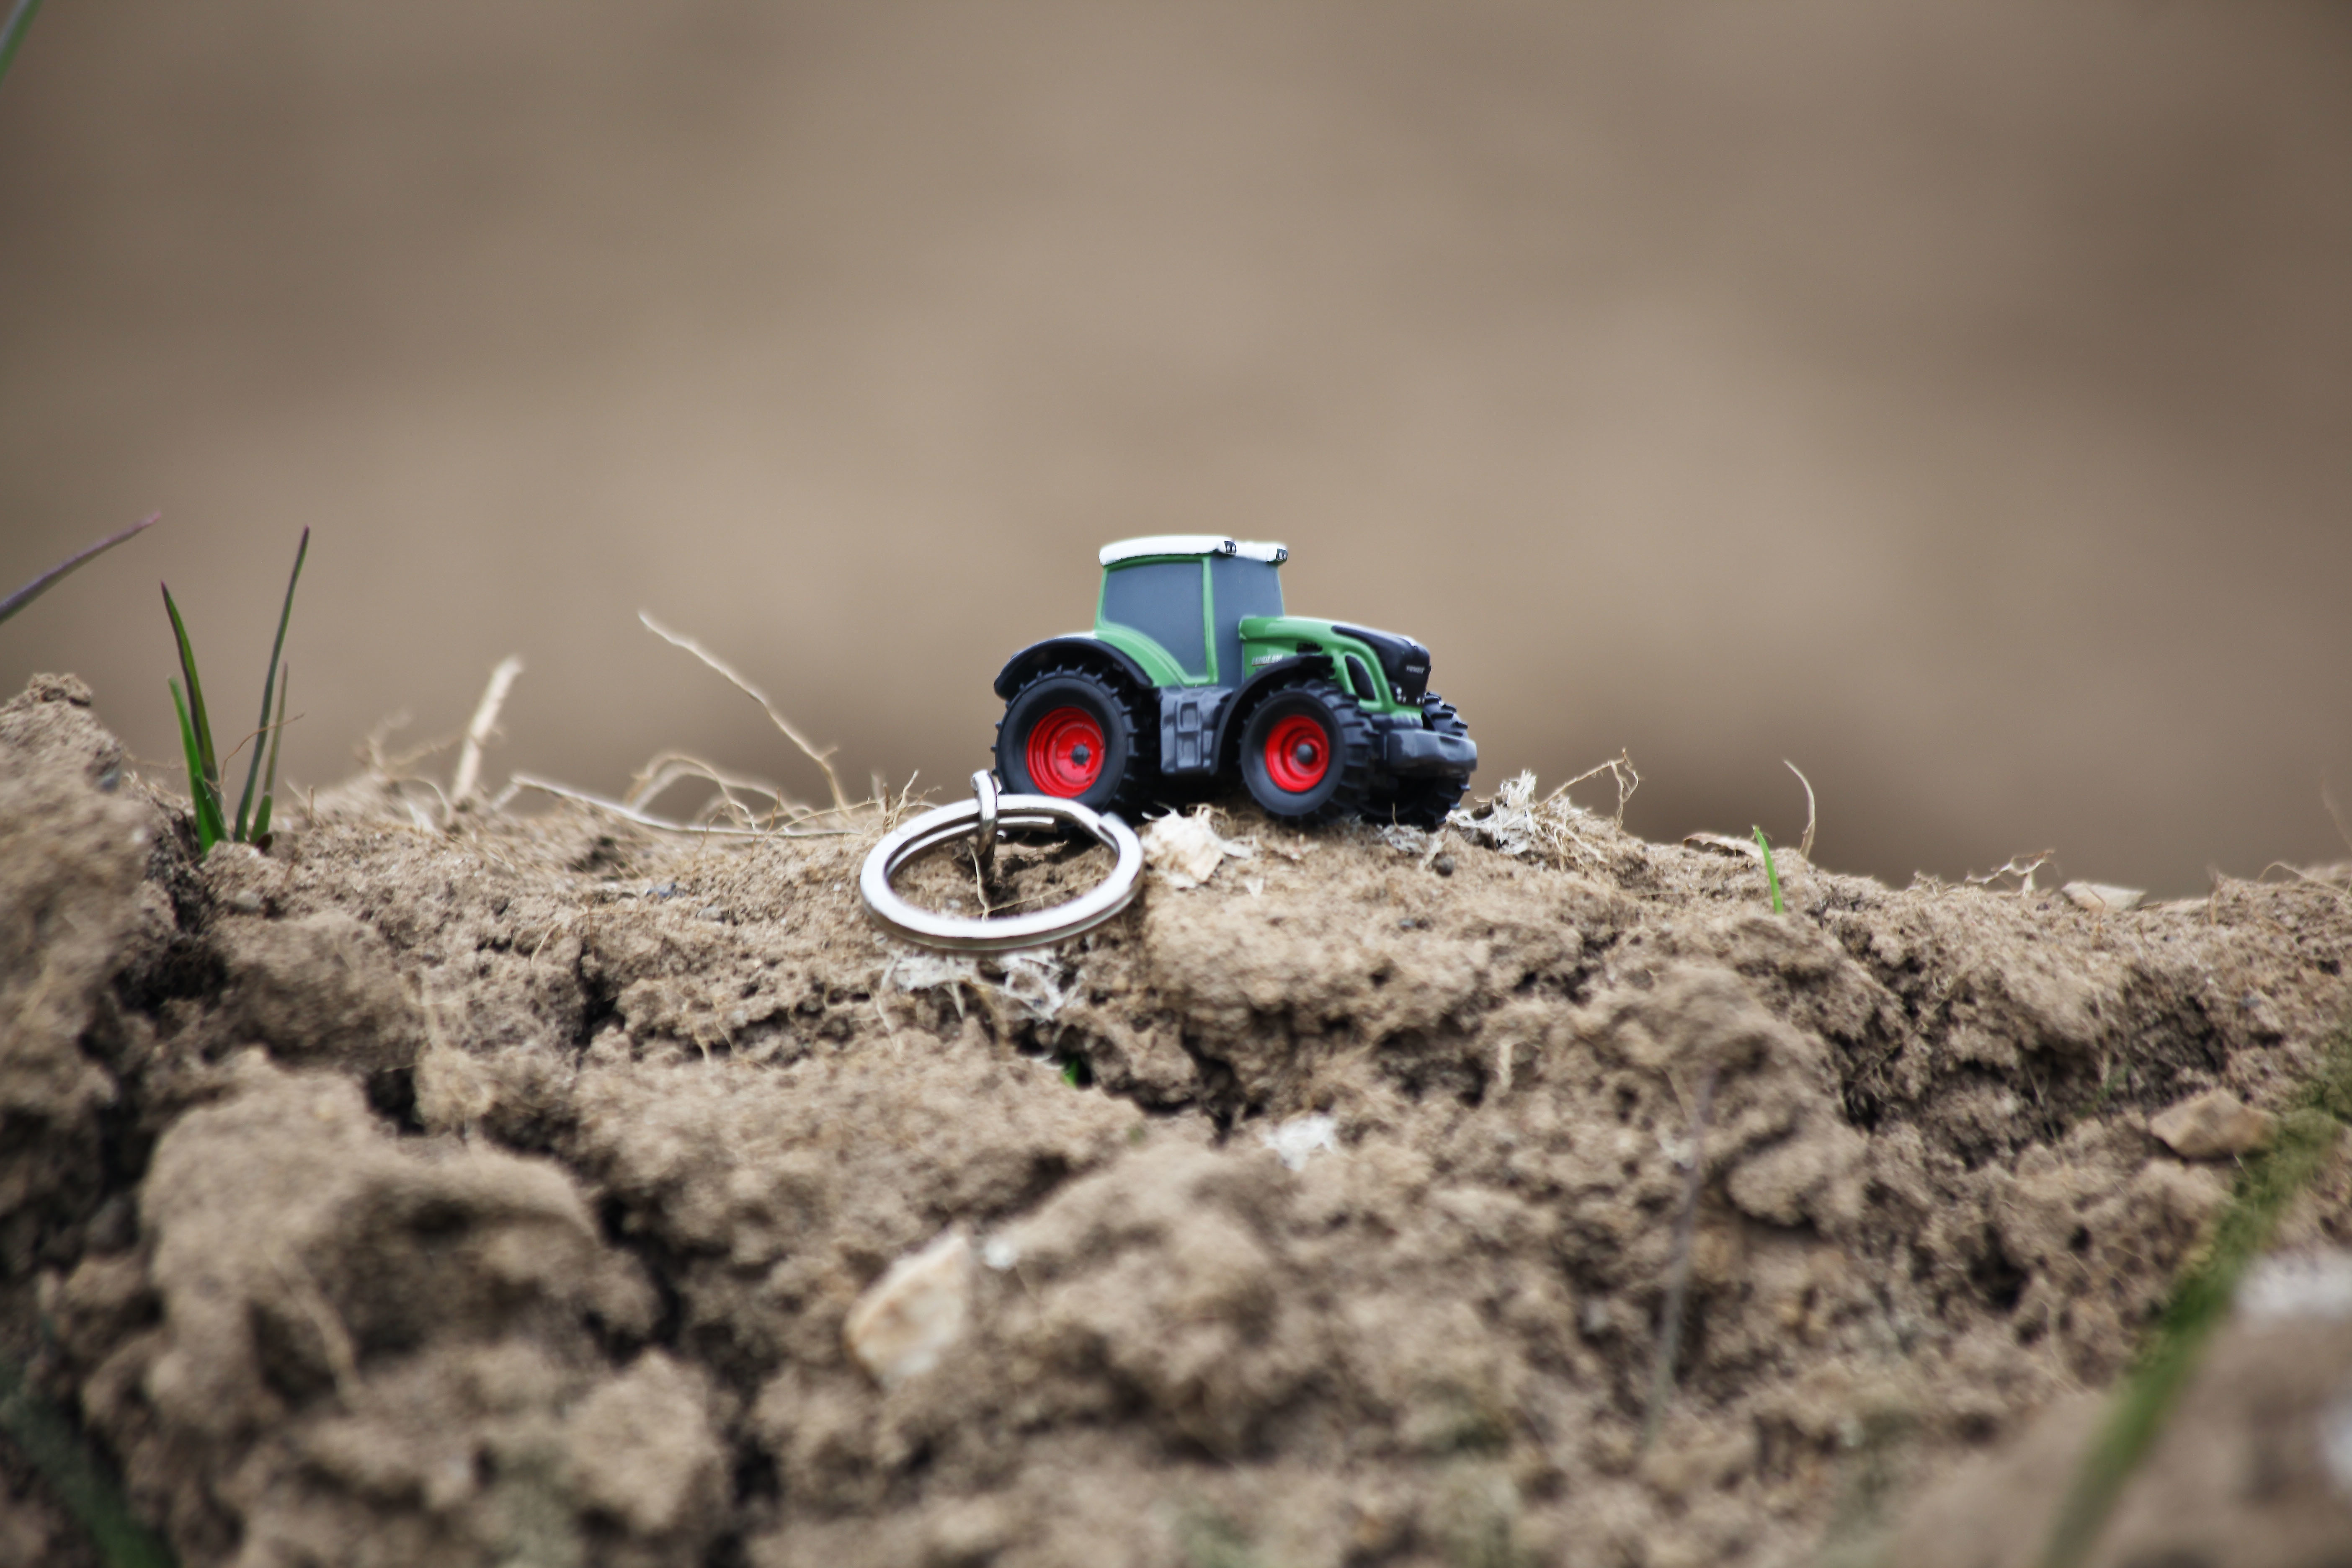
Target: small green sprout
12, 32
1772, 872
48, 579
87, 1488
2108, 1087
212, 822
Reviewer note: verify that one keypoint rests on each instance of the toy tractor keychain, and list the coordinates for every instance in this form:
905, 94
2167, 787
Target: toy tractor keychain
1191, 675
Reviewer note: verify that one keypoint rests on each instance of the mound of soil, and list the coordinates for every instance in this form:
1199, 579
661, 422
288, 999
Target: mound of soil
508, 1194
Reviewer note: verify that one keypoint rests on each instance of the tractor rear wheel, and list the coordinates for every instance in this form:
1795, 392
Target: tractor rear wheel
1307, 753
1426, 802
1073, 734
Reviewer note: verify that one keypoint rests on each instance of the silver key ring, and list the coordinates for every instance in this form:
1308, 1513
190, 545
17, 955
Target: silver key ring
981, 818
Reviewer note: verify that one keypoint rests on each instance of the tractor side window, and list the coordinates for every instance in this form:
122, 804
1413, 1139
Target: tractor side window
1243, 587
1162, 599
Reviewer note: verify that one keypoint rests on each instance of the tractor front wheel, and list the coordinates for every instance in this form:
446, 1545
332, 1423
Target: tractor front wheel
1307, 753
1426, 802
1073, 735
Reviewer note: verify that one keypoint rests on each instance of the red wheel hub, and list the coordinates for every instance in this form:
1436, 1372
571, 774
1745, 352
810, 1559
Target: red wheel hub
1065, 753
1297, 753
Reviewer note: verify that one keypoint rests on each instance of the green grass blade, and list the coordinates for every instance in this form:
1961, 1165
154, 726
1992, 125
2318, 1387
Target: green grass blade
1772, 872
48, 579
63, 1459
2299, 1150
200, 796
13, 34
268, 684
195, 764
269, 781
204, 724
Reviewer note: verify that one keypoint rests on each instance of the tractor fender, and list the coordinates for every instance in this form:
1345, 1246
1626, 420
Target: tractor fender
1082, 649
1279, 673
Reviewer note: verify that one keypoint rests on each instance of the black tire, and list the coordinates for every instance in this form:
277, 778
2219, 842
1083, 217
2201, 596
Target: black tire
1341, 784
1426, 801
1120, 777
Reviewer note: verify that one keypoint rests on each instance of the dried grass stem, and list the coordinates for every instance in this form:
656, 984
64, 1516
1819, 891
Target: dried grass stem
823, 760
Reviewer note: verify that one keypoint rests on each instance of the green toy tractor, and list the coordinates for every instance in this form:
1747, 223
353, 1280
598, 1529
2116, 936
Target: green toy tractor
1193, 674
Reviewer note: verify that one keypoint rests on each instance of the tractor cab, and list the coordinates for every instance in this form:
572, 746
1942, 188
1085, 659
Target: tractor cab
1179, 601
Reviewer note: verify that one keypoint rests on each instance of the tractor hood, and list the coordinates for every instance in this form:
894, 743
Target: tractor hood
1404, 660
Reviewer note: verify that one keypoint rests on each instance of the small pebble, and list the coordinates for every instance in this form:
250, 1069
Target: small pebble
1443, 864
245, 901
2211, 1125
907, 1320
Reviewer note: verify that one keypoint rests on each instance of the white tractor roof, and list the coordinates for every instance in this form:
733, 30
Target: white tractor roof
1195, 544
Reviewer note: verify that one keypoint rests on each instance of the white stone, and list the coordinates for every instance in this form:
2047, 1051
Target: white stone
910, 1317
1295, 1141
2301, 1284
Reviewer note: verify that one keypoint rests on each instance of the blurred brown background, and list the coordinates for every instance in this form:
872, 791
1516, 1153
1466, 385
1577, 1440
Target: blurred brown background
1951, 397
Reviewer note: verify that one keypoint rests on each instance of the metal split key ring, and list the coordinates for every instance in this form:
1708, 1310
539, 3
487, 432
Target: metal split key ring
980, 819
